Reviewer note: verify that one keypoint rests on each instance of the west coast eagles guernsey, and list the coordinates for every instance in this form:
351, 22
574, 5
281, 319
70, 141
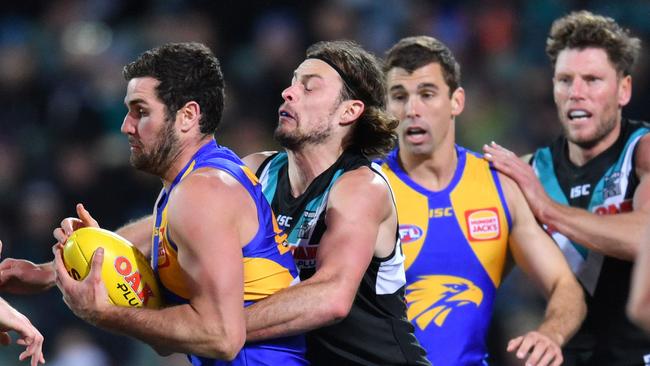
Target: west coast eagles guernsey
376, 331
455, 243
266, 269
605, 185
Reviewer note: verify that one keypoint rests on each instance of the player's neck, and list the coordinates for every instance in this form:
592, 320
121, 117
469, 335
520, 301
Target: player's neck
580, 156
184, 155
308, 162
433, 172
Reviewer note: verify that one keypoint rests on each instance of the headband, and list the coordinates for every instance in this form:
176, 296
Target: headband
346, 80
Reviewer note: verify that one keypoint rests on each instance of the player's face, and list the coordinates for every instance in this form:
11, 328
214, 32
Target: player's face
589, 95
152, 137
421, 102
310, 104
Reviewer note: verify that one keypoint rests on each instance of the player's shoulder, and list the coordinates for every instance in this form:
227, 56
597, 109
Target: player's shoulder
206, 185
255, 160
642, 154
363, 181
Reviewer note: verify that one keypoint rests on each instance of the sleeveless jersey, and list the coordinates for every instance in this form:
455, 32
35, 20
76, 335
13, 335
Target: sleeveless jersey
266, 269
376, 331
455, 241
604, 185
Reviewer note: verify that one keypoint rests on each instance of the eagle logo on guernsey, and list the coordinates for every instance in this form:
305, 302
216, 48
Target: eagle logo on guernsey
434, 297
483, 224
409, 233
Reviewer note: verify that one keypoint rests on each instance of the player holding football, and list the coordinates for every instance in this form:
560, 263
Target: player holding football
210, 263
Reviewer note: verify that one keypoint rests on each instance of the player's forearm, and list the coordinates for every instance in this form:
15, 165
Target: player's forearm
139, 233
638, 307
174, 329
565, 311
295, 310
612, 235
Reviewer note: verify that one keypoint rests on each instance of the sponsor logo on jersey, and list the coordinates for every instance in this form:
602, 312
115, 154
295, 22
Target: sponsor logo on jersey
483, 224
308, 224
614, 208
433, 298
612, 185
409, 233
305, 256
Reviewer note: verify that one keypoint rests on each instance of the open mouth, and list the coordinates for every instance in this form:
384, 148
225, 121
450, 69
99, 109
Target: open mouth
578, 114
283, 113
415, 131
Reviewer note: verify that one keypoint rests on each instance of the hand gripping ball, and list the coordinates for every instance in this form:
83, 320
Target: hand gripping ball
128, 278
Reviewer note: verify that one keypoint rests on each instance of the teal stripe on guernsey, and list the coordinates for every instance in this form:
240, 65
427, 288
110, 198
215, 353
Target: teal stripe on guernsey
270, 185
312, 206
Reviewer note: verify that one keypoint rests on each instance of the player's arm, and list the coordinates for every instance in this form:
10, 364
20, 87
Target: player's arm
612, 235
358, 203
638, 307
20, 276
207, 234
540, 258
30, 337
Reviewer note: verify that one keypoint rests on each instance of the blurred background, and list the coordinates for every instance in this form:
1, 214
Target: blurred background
61, 97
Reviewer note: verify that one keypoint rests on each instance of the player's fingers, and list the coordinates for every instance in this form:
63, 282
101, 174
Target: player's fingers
0, 248
85, 216
36, 349
62, 277
69, 225
60, 235
514, 343
525, 347
536, 354
550, 358
96, 265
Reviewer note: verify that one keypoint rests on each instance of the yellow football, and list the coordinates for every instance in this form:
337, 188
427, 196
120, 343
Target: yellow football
128, 278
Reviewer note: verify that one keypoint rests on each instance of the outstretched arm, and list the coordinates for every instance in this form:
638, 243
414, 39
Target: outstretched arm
20, 276
612, 235
538, 256
30, 337
201, 224
357, 206
638, 307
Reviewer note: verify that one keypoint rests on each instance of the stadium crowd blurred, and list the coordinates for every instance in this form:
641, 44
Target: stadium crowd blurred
61, 97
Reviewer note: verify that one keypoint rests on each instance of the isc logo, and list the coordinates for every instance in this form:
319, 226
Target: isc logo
581, 190
284, 221
440, 212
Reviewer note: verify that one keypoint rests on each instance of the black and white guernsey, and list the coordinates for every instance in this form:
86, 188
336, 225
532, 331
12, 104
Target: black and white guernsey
376, 331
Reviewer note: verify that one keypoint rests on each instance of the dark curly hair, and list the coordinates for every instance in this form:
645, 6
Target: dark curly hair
186, 72
411, 53
364, 80
584, 29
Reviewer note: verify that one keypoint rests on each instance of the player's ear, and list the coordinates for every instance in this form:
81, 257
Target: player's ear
189, 116
457, 102
624, 91
352, 111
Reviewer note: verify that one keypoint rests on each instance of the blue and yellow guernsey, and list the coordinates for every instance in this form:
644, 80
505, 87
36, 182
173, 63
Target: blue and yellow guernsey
455, 242
266, 269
